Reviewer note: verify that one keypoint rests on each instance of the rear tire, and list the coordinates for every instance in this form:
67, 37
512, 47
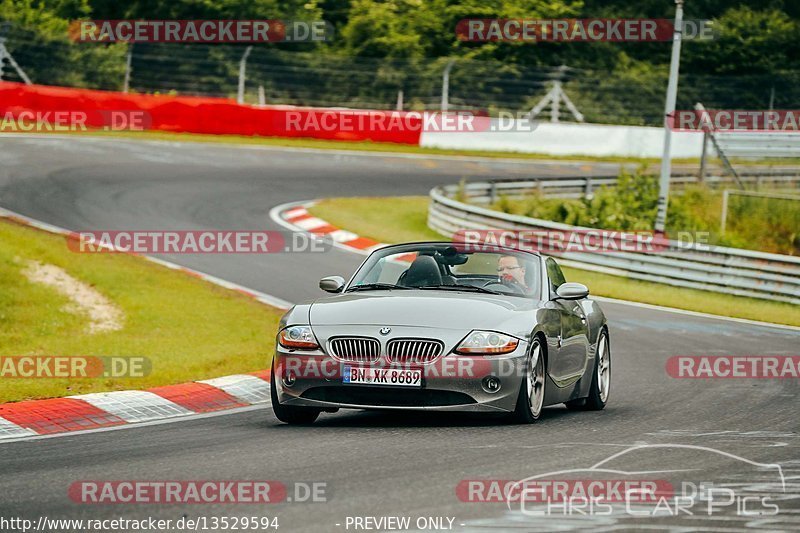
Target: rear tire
530, 401
601, 379
290, 414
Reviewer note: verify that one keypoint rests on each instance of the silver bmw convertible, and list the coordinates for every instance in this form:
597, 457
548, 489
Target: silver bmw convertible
448, 327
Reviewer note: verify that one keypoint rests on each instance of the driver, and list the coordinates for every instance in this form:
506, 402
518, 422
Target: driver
509, 270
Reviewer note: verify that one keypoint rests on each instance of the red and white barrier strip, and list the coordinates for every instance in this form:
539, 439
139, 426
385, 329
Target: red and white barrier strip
296, 217
105, 409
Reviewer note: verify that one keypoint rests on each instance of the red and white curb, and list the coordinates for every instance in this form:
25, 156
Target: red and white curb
106, 409
295, 216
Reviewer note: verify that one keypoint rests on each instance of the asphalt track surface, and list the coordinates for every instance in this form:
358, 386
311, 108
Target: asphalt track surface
388, 464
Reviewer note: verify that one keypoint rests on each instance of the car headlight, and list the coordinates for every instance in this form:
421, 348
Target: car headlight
298, 338
487, 343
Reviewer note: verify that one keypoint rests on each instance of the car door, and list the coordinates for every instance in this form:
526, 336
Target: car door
571, 359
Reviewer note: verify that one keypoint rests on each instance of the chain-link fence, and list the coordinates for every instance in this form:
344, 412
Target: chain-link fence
327, 79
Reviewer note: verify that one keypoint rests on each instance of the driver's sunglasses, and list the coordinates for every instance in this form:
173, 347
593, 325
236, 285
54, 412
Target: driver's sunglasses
500, 269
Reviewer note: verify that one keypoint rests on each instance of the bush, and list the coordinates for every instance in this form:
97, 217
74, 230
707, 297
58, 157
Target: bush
770, 225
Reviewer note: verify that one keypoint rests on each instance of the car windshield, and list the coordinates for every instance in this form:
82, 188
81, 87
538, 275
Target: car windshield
449, 268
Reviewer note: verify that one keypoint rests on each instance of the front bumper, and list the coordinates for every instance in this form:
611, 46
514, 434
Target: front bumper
452, 383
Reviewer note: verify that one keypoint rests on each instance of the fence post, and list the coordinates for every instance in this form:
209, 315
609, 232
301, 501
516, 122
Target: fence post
492, 192
587, 192
703, 156
242, 72
126, 84
446, 85
724, 217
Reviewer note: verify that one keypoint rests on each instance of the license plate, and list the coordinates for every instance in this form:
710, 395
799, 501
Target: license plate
382, 376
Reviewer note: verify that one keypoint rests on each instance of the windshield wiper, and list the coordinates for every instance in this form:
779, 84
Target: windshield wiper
459, 287
375, 287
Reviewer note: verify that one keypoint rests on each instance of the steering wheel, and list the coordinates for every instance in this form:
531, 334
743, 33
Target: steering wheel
505, 285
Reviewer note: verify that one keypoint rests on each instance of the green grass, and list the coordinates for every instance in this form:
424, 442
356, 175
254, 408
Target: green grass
401, 219
389, 220
188, 328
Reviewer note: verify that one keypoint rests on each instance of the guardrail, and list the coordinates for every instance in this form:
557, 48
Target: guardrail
581, 186
759, 144
698, 266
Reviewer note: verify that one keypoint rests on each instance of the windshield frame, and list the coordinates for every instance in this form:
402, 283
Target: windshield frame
416, 246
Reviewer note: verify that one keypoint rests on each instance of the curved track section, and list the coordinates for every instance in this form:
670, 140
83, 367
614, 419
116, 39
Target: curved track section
375, 464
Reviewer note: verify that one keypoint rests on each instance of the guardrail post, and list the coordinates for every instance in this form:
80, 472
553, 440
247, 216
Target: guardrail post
492, 192
588, 187
724, 216
242, 74
126, 82
703, 156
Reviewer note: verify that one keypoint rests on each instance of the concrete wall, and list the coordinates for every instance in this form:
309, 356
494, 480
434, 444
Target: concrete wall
571, 139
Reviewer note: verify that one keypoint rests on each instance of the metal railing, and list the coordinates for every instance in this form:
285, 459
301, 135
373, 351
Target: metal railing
582, 186
759, 144
698, 266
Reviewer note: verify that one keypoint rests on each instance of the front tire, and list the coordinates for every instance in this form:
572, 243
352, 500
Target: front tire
601, 379
530, 401
290, 414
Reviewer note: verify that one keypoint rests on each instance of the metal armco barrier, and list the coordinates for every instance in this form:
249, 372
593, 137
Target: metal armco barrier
698, 266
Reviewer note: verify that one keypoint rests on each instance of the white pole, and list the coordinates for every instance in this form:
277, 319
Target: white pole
724, 217
262, 98
555, 111
128, 60
446, 86
242, 71
669, 110
399, 105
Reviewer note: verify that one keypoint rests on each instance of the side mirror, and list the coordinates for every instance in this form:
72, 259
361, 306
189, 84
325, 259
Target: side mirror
572, 291
332, 284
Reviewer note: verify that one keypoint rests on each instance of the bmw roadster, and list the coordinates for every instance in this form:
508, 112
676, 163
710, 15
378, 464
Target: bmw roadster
442, 326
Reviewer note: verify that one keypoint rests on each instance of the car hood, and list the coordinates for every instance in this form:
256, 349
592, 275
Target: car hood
429, 308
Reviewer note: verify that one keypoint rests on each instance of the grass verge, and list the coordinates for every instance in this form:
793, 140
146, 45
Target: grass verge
401, 219
187, 327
